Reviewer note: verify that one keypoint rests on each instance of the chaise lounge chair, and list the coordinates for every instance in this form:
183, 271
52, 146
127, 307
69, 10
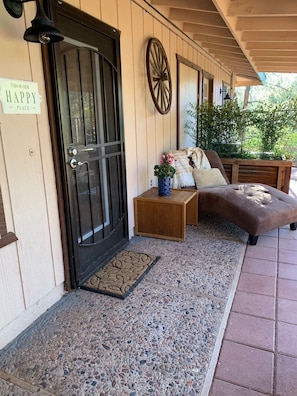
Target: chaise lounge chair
256, 208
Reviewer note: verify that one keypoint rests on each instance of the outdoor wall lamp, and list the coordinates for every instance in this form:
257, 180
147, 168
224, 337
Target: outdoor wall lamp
223, 91
42, 29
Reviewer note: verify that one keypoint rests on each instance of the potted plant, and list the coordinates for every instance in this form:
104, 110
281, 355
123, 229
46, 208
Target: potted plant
164, 172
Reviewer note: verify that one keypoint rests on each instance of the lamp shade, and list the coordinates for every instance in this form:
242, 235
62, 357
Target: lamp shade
42, 29
43, 34
14, 8
227, 96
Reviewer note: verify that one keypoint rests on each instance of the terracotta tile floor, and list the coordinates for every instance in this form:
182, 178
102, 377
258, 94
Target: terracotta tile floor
259, 349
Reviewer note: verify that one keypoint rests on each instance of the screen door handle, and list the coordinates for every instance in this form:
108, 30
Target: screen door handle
74, 163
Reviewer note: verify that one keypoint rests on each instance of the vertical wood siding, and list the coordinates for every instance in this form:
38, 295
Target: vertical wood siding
148, 133
32, 267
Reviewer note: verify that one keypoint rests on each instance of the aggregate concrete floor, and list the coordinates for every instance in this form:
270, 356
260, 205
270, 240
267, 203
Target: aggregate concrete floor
163, 339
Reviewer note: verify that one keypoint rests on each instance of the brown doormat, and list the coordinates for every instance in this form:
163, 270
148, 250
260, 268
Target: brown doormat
122, 274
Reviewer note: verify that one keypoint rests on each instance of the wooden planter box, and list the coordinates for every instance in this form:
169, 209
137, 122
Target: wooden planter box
271, 172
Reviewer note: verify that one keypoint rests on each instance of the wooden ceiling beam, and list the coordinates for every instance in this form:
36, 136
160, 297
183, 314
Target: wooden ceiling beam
209, 30
240, 72
226, 55
273, 53
239, 69
239, 62
270, 36
267, 23
224, 48
276, 61
244, 81
261, 7
224, 44
234, 64
277, 69
231, 54
265, 45
198, 5
246, 36
217, 40
250, 73
204, 18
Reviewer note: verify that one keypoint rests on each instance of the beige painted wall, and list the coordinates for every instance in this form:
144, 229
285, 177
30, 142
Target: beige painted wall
31, 269
147, 133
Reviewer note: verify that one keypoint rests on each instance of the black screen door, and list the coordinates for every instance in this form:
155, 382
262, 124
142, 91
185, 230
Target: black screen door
92, 144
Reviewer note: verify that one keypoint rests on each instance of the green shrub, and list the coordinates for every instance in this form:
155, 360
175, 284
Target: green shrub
263, 131
216, 127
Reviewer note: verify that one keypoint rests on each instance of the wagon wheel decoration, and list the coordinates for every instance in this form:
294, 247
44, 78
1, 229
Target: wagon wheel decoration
158, 74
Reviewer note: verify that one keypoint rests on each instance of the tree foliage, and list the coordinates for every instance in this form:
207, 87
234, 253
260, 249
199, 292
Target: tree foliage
277, 89
270, 121
265, 125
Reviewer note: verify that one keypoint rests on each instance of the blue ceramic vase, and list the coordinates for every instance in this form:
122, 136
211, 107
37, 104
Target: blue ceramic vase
164, 186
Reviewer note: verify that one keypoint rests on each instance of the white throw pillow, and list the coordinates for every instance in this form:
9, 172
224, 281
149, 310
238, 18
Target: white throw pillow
208, 178
183, 171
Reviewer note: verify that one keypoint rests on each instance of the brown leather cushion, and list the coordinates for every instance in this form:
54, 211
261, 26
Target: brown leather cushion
256, 208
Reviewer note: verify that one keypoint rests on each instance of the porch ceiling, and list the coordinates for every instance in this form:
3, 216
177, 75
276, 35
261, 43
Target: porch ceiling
247, 36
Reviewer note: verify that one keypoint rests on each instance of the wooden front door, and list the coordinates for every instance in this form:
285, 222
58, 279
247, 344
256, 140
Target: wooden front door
88, 99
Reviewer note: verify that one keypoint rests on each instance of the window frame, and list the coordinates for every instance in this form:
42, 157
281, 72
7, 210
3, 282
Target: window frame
5, 237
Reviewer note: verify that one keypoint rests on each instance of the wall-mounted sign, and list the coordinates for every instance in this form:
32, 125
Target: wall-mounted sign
19, 97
